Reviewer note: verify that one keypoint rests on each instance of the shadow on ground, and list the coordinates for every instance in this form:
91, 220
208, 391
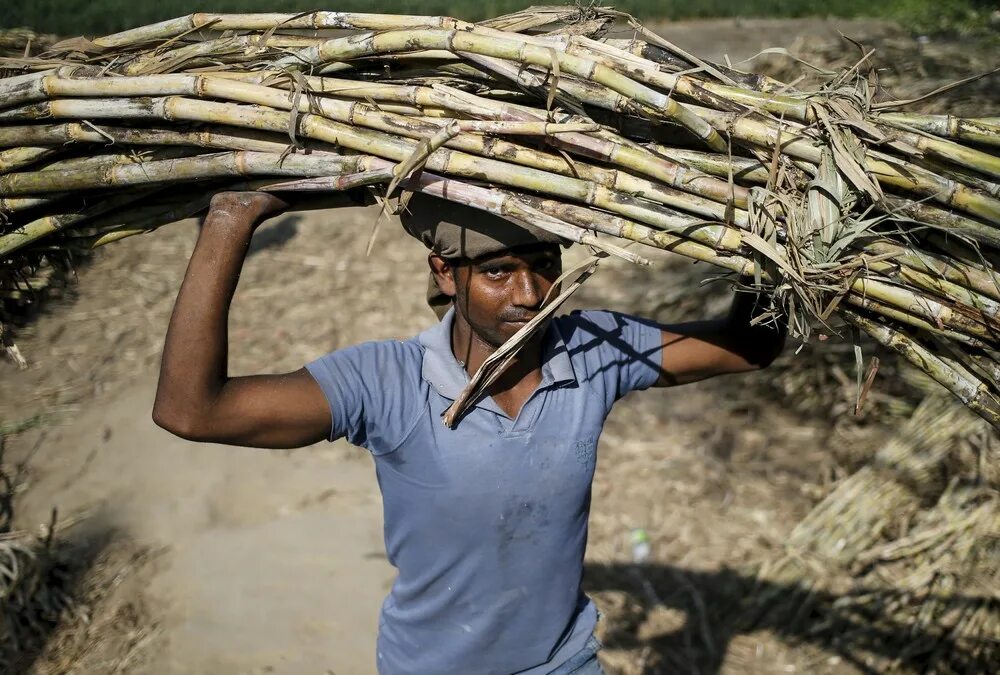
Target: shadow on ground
720, 606
275, 235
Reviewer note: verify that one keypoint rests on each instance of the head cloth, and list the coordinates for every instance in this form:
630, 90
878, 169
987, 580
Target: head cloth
459, 232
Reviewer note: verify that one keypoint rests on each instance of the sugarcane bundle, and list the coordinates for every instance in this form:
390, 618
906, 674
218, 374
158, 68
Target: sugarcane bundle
904, 547
837, 203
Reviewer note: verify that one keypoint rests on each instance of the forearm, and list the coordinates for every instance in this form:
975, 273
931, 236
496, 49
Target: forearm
193, 370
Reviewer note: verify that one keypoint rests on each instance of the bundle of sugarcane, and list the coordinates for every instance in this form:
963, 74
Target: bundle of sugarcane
837, 203
907, 547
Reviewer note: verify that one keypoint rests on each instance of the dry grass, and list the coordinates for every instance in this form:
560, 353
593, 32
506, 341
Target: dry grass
52, 580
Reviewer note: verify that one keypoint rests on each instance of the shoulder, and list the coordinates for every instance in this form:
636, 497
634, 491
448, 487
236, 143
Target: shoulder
375, 352
369, 366
374, 390
581, 327
622, 349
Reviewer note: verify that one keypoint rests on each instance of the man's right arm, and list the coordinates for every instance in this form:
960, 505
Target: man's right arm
195, 397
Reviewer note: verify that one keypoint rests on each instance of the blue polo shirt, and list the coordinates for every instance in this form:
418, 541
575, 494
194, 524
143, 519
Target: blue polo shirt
486, 523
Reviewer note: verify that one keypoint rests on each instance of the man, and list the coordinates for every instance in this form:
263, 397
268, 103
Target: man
486, 522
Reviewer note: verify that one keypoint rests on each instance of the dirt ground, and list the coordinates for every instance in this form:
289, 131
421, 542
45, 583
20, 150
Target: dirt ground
198, 558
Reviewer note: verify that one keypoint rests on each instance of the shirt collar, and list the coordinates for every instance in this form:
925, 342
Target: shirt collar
447, 376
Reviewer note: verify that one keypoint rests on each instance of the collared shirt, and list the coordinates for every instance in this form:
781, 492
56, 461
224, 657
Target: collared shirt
487, 522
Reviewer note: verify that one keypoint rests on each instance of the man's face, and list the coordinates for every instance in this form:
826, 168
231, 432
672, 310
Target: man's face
499, 294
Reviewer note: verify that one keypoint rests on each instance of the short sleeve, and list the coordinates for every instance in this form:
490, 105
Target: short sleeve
627, 349
369, 389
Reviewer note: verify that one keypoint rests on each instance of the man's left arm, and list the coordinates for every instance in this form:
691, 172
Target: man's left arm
701, 349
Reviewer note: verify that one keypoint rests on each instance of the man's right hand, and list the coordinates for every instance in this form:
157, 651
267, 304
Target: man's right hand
251, 208
244, 209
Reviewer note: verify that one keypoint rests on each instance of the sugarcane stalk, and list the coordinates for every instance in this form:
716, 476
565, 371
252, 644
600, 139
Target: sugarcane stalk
923, 214
142, 221
47, 225
105, 160
947, 126
120, 172
222, 138
908, 320
114, 227
158, 61
386, 146
973, 393
926, 307
240, 163
663, 57
983, 309
884, 185
888, 170
248, 92
613, 150
572, 188
743, 169
970, 252
704, 92
171, 28
966, 361
340, 49
642, 70
16, 204
975, 279
960, 175
20, 157
947, 150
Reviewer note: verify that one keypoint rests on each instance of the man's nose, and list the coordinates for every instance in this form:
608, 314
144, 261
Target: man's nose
527, 290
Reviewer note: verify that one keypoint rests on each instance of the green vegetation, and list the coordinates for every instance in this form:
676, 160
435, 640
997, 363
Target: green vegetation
93, 17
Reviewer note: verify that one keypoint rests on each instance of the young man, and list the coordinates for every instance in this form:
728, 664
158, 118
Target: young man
487, 522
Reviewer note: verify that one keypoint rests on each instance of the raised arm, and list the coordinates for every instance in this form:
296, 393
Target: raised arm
195, 397
702, 349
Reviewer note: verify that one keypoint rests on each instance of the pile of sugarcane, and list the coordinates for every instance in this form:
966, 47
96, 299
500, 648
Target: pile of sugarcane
840, 205
901, 558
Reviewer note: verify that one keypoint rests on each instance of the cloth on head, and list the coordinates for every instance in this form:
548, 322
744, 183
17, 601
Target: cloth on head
455, 231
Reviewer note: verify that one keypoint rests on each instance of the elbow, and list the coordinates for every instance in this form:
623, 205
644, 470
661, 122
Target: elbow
177, 423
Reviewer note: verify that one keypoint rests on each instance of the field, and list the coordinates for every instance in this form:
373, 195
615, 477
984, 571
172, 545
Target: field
172, 557
92, 17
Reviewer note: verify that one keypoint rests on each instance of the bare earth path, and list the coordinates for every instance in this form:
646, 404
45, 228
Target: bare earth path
259, 551
230, 560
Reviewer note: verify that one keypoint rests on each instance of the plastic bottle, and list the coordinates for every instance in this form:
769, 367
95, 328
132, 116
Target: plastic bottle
640, 545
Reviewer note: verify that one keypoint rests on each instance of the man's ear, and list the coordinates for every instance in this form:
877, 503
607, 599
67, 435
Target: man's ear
443, 274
